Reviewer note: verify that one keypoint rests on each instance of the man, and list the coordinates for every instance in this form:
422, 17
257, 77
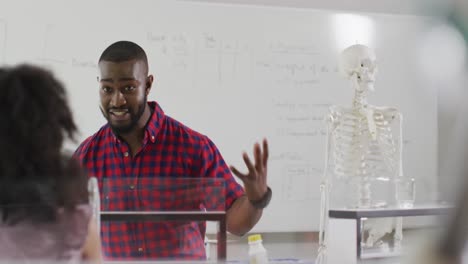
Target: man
141, 142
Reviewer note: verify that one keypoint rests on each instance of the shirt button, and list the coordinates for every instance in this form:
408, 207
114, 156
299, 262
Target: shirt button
126, 154
132, 187
152, 137
140, 249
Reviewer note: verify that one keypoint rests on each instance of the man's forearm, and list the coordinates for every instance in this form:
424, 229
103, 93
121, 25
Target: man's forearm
242, 216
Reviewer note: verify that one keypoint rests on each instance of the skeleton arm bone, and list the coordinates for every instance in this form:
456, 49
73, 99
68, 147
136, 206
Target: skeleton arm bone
395, 118
400, 145
325, 193
399, 220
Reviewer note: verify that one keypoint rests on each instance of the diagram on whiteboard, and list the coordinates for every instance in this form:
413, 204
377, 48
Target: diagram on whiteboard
298, 181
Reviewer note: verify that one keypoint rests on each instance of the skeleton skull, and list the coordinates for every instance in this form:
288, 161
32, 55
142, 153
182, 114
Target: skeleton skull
358, 63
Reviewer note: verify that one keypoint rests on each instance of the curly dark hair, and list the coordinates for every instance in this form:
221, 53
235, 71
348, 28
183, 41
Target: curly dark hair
35, 177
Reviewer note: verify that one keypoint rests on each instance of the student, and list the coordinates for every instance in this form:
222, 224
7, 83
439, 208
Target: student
140, 141
44, 210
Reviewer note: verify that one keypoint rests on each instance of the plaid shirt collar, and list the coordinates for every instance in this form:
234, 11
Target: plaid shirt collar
154, 125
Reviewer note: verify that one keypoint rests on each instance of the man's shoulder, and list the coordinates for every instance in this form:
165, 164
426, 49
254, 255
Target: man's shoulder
183, 131
92, 143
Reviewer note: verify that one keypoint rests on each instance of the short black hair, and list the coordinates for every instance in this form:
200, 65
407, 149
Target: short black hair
124, 51
35, 118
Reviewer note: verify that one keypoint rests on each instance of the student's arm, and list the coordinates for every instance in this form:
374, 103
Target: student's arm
243, 215
91, 251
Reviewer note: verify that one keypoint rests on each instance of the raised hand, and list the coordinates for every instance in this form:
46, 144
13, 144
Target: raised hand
255, 180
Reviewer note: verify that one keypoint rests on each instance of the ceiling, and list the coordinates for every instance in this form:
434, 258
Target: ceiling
411, 7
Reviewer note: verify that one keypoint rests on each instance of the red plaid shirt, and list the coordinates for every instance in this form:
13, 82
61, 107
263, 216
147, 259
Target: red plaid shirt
155, 178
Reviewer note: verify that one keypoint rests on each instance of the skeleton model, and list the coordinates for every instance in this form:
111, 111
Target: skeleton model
361, 144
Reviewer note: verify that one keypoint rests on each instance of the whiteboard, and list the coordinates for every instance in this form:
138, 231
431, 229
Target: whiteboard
237, 74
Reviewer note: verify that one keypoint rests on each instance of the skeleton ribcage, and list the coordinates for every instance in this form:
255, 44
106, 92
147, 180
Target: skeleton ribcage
356, 153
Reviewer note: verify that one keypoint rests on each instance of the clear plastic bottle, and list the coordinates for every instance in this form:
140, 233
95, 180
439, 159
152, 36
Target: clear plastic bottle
257, 253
